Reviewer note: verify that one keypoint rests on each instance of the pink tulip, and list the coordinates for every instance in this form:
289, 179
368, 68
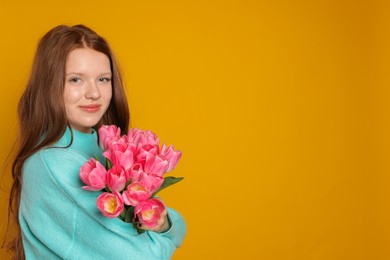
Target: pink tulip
145, 152
116, 141
110, 204
93, 173
140, 137
135, 193
156, 165
172, 156
134, 172
121, 153
107, 135
151, 181
116, 178
149, 212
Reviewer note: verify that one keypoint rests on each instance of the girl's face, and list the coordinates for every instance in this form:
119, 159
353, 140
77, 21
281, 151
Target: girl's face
88, 89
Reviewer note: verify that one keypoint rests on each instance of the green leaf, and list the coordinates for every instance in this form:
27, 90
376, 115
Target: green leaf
129, 215
129, 219
128, 183
168, 181
108, 164
122, 216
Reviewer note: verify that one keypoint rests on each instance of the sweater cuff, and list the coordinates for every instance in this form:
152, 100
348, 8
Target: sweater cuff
176, 231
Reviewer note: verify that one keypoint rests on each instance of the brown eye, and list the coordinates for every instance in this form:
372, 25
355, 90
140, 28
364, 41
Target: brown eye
105, 79
74, 80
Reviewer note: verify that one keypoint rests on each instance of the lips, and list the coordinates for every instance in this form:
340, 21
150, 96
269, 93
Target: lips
90, 108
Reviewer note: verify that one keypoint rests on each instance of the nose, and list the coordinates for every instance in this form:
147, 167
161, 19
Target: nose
92, 91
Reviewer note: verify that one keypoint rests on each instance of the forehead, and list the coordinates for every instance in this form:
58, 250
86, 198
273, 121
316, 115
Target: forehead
87, 61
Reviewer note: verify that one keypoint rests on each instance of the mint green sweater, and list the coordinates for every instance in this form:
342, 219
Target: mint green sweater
59, 220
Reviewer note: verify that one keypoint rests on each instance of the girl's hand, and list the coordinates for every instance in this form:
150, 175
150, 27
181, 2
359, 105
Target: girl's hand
162, 225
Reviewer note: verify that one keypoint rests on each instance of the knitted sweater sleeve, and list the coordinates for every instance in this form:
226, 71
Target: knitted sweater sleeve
60, 220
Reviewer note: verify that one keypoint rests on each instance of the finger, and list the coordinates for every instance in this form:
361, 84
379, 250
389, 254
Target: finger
162, 224
161, 221
144, 227
140, 226
164, 213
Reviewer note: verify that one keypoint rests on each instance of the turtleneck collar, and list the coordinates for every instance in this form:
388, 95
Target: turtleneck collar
84, 143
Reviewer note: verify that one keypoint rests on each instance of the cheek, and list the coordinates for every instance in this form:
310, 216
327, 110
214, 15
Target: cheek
107, 94
71, 95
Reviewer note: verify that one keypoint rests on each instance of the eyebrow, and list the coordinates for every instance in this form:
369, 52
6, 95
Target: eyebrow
82, 74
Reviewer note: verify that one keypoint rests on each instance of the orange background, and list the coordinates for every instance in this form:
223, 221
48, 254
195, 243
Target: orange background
281, 109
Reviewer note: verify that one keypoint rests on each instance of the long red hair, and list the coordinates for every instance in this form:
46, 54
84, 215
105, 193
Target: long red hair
41, 111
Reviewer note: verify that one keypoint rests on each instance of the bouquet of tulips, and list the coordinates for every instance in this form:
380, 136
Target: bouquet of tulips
134, 173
